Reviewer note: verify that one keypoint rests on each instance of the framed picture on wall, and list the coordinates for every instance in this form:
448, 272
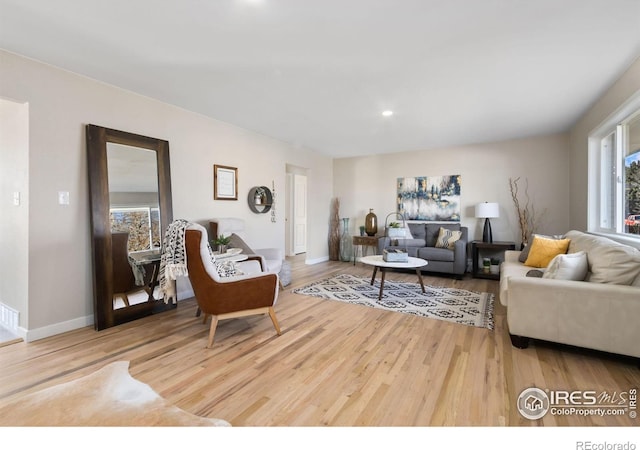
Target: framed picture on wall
431, 198
225, 182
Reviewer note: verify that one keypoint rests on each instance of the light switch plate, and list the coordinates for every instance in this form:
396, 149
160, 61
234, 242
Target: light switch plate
63, 197
16, 198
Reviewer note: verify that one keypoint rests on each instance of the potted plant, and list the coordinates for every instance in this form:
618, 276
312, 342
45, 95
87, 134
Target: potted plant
221, 242
362, 230
395, 230
486, 265
495, 266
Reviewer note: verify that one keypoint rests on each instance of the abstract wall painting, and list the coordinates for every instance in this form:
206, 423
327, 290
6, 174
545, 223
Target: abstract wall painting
429, 198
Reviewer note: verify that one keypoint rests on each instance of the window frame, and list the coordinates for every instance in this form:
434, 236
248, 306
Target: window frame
149, 210
614, 124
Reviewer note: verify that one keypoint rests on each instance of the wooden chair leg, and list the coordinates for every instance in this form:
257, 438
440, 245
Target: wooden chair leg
124, 298
204, 318
212, 330
272, 314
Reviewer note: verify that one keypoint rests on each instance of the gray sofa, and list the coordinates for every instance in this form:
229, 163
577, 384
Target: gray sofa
421, 244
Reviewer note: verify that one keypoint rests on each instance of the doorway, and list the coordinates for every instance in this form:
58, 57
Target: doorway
296, 217
14, 227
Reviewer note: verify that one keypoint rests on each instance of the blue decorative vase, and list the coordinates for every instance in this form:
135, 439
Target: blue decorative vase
345, 241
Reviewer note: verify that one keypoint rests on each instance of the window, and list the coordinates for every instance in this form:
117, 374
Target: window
631, 171
614, 174
142, 224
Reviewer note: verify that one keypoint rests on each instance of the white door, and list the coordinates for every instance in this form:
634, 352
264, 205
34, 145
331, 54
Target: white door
299, 214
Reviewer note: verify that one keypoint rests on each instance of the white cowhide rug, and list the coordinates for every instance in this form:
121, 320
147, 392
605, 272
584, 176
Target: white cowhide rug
107, 397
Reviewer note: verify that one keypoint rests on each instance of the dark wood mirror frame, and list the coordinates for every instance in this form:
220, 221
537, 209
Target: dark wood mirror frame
97, 137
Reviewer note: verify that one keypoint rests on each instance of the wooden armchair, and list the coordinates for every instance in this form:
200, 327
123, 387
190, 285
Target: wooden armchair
227, 297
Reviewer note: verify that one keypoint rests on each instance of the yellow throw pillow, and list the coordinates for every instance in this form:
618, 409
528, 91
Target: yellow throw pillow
447, 238
543, 250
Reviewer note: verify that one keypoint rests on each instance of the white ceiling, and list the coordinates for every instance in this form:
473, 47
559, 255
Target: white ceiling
318, 73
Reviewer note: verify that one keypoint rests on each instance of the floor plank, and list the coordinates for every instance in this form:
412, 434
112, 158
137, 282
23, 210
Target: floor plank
335, 364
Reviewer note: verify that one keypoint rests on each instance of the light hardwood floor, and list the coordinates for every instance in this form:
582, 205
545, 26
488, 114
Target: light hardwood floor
335, 364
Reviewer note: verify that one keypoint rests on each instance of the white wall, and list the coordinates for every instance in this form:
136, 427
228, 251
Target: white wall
614, 97
54, 292
370, 182
14, 225
60, 105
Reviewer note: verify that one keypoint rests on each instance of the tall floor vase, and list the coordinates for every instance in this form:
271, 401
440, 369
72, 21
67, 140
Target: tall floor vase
334, 231
345, 241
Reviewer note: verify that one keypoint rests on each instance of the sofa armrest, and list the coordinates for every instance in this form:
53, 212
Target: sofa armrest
591, 315
460, 257
270, 253
512, 255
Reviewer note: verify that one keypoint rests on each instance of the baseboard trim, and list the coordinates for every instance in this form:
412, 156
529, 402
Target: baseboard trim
73, 324
57, 328
313, 261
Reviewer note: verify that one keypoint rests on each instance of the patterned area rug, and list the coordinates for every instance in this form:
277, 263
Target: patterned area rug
450, 304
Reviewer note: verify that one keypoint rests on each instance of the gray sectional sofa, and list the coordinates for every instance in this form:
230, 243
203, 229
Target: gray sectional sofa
421, 244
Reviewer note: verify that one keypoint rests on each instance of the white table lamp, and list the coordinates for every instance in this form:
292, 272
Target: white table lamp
487, 211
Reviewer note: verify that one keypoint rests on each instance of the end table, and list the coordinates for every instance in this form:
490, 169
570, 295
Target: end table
364, 241
478, 247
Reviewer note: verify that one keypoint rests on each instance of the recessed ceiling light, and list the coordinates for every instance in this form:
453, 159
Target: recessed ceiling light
387, 113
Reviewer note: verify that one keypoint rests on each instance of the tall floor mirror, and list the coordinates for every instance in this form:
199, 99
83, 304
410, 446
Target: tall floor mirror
130, 191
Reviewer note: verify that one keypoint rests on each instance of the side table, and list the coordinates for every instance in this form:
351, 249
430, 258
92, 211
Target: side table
478, 247
361, 242
151, 260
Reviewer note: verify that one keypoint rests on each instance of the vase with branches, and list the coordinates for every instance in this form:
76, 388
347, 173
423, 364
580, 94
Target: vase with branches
334, 231
528, 217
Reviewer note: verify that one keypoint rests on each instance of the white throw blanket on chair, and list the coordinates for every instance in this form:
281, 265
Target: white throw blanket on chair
173, 262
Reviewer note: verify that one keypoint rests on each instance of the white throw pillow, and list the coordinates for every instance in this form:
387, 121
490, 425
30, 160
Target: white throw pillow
570, 266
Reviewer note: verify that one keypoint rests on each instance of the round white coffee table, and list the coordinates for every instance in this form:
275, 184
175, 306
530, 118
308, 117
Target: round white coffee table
379, 263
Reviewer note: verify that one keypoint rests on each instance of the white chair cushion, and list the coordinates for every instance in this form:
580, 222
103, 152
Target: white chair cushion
274, 265
272, 256
250, 267
229, 225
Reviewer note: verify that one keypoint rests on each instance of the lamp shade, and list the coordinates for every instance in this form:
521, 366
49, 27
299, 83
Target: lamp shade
487, 210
